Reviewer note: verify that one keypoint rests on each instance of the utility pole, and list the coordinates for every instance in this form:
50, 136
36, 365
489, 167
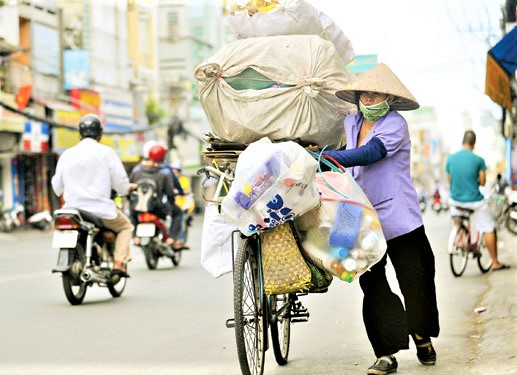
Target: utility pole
509, 121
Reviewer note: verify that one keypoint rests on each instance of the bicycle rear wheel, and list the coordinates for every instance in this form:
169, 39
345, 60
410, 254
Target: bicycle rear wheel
483, 256
280, 327
249, 311
458, 250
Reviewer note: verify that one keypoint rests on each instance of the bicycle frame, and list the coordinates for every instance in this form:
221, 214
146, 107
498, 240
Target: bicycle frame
473, 243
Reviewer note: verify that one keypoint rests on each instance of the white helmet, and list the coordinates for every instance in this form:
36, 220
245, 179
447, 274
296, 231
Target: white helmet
147, 147
177, 164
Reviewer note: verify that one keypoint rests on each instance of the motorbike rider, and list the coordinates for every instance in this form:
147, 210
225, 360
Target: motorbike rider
153, 167
85, 175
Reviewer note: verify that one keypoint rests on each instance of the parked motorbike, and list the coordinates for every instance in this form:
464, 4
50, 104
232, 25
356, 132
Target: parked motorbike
86, 251
152, 233
11, 218
40, 220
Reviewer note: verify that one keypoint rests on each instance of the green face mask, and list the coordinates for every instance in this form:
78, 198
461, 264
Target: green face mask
374, 112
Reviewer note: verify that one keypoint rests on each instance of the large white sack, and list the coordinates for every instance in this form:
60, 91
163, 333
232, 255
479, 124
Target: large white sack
308, 112
290, 17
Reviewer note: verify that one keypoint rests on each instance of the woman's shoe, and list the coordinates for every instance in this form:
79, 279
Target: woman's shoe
383, 365
425, 351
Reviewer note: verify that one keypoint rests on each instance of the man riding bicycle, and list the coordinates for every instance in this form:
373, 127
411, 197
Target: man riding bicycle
466, 172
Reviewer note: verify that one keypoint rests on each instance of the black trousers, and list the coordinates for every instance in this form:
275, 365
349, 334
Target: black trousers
387, 323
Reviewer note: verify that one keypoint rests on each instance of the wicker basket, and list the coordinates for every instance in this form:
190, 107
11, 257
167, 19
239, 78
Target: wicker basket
284, 267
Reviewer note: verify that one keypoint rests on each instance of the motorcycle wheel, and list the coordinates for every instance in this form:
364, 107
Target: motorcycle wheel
74, 288
151, 258
511, 224
117, 289
176, 257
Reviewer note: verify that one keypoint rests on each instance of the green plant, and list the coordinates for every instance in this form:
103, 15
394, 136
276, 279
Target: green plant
153, 111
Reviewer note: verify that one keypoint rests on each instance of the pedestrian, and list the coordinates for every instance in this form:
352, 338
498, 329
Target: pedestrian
378, 155
85, 175
466, 172
500, 184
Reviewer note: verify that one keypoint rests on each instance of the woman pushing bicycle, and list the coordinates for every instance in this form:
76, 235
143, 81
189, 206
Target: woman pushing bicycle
378, 154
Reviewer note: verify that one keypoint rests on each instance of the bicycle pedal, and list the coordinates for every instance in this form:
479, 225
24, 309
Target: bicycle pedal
230, 323
300, 314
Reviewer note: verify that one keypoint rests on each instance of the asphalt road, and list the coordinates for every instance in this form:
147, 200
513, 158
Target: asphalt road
172, 320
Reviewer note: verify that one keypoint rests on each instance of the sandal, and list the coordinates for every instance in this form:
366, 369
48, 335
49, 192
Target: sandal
178, 245
503, 267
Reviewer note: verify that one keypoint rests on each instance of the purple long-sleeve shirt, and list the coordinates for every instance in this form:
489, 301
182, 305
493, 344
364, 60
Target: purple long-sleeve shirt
387, 182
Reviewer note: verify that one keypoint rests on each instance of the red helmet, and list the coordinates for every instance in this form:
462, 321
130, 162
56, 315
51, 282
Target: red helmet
157, 153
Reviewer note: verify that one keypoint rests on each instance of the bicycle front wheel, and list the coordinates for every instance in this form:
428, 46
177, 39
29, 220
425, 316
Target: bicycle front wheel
483, 256
280, 327
249, 311
458, 250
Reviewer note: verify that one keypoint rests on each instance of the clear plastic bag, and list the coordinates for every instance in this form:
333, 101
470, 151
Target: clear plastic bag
343, 235
274, 183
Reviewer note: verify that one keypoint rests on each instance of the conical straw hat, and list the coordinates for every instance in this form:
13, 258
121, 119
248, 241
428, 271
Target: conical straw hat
379, 79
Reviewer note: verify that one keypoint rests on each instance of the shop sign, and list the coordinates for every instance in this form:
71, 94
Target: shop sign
10, 121
127, 149
497, 83
76, 69
35, 137
64, 138
86, 101
67, 117
124, 146
362, 63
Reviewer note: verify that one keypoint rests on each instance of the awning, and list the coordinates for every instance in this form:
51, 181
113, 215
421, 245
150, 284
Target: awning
500, 69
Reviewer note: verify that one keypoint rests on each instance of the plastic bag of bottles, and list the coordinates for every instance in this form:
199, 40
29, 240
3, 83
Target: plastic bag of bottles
343, 235
274, 183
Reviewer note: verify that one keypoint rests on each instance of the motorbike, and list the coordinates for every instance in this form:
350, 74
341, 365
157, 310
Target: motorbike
11, 218
152, 233
40, 220
437, 202
86, 254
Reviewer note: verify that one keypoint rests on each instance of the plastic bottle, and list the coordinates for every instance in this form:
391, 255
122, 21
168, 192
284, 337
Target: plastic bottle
325, 260
339, 252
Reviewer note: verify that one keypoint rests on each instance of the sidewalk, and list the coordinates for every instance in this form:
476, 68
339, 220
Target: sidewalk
497, 326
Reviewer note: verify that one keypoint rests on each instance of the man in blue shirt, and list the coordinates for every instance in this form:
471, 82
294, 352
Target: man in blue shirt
466, 172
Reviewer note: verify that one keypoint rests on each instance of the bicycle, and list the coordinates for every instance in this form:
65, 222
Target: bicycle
255, 313
462, 243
